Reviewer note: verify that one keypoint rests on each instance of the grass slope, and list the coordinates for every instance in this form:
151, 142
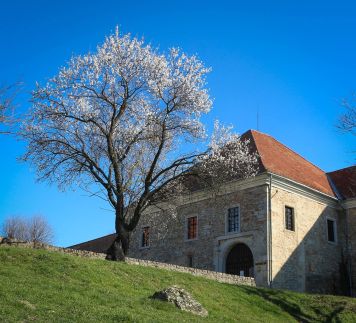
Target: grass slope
42, 286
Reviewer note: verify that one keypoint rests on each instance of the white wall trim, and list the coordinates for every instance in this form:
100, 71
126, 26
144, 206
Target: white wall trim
234, 235
301, 189
202, 195
227, 188
278, 181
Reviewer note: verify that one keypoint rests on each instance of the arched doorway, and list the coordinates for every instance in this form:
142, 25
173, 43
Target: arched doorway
239, 261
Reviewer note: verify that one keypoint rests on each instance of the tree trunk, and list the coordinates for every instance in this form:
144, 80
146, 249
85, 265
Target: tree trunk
120, 246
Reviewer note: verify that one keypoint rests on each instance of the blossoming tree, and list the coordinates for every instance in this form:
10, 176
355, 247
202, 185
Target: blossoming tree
126, 119
7, 106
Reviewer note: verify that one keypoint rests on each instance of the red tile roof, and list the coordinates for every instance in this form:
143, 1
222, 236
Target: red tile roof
281, 160
345, 181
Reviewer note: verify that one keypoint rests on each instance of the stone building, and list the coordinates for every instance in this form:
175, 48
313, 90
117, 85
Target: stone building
292, 226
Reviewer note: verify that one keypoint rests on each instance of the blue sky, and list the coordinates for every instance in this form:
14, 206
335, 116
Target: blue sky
292, 61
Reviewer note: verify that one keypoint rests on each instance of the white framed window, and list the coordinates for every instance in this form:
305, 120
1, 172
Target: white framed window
233, 219
331, 230
289, 218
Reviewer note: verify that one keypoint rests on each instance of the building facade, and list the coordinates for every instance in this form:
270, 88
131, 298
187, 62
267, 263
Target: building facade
292, 226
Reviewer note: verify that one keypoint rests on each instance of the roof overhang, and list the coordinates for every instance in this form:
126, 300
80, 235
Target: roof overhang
265, 178
303, 190
349, 203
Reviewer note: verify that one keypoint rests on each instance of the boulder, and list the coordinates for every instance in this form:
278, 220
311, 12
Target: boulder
182, 299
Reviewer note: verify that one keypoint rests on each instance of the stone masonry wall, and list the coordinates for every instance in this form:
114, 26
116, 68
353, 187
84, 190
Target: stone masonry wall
351, 221
304, 260
169, 244
220, 277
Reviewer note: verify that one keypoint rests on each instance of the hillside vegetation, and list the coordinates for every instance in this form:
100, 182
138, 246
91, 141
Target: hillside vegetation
43, 286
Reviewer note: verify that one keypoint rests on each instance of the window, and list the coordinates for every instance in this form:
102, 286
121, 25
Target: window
233, 219
331, 230
192, 223
145, 239
190, 260
289, 215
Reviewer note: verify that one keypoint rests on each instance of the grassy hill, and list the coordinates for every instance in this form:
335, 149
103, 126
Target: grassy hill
43, 286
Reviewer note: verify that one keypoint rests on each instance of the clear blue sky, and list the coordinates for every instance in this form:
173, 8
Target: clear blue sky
293, 61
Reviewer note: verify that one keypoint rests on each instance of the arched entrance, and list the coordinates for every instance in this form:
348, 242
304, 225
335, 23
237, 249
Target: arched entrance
239, 261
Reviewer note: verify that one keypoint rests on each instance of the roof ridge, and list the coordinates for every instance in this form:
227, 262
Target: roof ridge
290, 149
334, 187
255, 143
260, 132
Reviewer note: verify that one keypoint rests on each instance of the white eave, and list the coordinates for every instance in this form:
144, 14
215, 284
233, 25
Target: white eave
304, 190
278, 181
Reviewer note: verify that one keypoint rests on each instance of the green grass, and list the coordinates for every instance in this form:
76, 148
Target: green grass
43, 286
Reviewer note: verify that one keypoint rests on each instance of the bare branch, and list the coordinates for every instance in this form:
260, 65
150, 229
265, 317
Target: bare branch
347, 121
8, 95
127, 119
35, 229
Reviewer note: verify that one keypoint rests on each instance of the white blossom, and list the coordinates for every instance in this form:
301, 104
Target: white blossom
127, 118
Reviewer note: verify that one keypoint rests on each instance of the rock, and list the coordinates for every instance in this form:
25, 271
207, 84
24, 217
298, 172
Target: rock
182, 299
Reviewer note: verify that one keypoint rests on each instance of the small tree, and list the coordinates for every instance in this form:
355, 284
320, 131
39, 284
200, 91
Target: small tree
39, 231
127, 119
35, 229
15, 228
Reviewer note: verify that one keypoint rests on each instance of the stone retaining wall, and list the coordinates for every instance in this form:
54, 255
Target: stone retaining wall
220, 277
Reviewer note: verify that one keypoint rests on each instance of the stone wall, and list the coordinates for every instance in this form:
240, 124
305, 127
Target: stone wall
213, 243
351, 221
220, 277
253, 205
304, 260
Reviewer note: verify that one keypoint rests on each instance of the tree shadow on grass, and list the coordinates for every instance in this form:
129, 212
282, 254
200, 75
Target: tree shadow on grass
287, 304
333, 316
